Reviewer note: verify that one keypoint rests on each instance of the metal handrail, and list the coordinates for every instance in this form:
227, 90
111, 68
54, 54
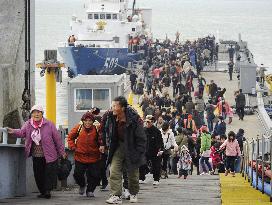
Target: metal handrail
5, 135
259, 147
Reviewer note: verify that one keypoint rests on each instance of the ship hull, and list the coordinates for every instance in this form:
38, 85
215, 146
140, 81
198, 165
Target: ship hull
87, 61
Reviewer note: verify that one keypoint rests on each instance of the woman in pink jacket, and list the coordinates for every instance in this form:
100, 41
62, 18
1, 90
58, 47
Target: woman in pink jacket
232, 152
44, 144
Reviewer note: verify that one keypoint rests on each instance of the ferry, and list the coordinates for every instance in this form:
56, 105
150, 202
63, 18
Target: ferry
108, 40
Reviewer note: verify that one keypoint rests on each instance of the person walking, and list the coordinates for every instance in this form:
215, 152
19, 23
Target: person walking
154, 147
169, 143
205, 150
125, 138
230, 67
232, 152
86, 141
240, 104
44, 144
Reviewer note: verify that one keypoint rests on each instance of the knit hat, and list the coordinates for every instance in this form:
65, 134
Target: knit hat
37, 107
88, 115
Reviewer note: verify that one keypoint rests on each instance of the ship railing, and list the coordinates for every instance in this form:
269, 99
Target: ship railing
5, 137
257, 162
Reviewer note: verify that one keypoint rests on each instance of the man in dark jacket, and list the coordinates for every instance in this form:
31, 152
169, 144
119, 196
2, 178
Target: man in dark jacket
133, 79
240, 104
154, 146
124, 136
212, 89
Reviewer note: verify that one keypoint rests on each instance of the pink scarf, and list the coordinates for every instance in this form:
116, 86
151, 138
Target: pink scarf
36, 133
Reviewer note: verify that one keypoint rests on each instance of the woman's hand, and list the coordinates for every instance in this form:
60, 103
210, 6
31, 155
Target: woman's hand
10, 130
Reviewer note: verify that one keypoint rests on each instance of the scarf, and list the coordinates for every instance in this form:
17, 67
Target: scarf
36, 133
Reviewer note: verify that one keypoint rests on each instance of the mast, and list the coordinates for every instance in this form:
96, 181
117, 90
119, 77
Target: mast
133, 7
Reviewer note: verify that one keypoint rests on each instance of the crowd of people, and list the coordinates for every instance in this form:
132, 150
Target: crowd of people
180, 132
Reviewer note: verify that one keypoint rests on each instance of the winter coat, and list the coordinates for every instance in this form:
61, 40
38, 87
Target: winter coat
189, 106
134, 138
240, 138
87, 144
205, 142
154, 141
232, 148
169, 140
185, 161
52, 144
200, 105
220, 128
240, 100
212, 89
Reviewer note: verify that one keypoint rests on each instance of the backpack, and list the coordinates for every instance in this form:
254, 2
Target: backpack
79, 130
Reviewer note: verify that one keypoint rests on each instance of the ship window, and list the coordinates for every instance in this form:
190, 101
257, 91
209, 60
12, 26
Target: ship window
114, 16
85, 99
96, 16
133, 29
108, 16
90, 16
102, 16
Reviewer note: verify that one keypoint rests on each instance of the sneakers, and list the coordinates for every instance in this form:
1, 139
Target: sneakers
203, 173
133, 199
114, 200
156, 183
81, 190
226, 172
126, 194
142, 181
90, 194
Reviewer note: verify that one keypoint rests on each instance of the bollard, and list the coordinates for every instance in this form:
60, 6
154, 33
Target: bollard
5, 135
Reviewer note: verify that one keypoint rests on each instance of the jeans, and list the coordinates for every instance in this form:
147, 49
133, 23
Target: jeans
237, 165
210, 124
203, 161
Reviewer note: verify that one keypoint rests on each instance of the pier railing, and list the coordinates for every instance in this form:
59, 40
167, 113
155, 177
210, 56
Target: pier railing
257, 163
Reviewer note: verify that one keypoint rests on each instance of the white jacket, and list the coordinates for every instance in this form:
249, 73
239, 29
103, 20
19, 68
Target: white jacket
171, 139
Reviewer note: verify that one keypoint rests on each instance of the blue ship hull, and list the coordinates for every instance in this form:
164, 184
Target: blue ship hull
88, 61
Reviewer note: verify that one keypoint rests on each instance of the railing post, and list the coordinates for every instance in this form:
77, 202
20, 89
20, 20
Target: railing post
251, 175
257, 162
270, 167
263, 164
5, 135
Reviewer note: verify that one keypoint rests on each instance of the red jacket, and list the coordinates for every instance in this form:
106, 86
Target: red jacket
86, 145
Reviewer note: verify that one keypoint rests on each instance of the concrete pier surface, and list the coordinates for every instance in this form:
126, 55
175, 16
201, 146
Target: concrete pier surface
195, 190
251, 123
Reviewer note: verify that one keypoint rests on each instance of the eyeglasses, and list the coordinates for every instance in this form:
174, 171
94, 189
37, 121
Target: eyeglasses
148, 121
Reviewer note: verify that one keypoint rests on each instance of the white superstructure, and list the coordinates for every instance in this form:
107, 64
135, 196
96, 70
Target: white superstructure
110, 24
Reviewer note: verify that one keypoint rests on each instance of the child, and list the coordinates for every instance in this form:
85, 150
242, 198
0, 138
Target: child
184, 163
216, 156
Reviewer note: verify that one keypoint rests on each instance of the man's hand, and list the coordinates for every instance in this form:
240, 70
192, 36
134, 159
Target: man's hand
102, 149
64, 156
